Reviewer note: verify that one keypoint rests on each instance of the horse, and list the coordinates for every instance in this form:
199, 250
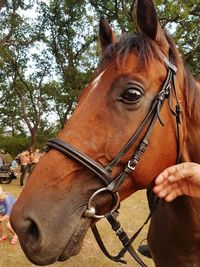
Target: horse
139, 115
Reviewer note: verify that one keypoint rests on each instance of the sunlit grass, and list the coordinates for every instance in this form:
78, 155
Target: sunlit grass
132, 215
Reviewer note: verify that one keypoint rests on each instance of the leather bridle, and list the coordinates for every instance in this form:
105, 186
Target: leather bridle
112, 184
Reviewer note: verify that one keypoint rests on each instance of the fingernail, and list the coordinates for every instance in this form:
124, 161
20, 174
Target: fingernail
171, 178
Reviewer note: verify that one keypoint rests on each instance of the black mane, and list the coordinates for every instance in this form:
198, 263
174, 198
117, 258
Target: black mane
141, 43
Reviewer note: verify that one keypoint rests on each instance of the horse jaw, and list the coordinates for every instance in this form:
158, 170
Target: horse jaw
75, 243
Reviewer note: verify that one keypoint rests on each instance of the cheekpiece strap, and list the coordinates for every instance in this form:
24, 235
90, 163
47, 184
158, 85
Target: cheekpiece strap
168, 63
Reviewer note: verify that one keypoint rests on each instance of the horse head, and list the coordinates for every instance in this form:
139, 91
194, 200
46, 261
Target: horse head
49, 214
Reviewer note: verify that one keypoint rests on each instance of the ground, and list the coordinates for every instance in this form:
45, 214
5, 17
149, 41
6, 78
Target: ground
133, 213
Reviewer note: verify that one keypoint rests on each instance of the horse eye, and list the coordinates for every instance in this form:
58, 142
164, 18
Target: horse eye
131, 96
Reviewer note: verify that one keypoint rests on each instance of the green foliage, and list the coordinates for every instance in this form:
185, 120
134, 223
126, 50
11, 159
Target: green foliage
118, 13
182, 19
14, 144
46, 59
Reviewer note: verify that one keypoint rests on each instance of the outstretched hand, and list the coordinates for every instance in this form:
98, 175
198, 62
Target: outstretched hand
177, 180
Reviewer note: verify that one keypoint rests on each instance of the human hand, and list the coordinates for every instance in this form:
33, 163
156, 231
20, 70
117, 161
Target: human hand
177, 180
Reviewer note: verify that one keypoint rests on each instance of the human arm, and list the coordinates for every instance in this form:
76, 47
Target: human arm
4, 218
9, 202
177, 180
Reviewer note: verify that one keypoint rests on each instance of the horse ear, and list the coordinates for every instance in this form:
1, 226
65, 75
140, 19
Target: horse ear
106, 34
146, 17
148, 23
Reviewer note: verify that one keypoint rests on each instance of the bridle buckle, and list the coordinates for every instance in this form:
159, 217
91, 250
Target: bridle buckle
129, 165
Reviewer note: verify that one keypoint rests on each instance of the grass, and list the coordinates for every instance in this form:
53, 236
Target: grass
133, 213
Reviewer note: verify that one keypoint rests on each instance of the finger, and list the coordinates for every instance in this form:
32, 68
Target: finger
176, 172
182, 170
161, 186
161, 177
166, 173
181, 174
164, 191
174, 194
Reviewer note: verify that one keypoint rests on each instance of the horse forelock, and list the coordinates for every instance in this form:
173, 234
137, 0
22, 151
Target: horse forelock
145, 48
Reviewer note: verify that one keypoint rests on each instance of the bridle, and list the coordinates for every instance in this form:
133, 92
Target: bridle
112, 184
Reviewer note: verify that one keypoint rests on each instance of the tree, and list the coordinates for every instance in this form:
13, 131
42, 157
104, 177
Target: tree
46, 61
180, 18
69, 39
22, 91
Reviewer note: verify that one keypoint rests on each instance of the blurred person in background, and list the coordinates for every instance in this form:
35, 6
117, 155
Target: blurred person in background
6, 203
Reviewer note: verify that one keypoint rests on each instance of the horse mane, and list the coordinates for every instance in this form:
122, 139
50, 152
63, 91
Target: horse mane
146, 49
192, 96
191, 87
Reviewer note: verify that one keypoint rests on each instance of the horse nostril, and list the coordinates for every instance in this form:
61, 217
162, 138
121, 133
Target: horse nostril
33, 230
30, 233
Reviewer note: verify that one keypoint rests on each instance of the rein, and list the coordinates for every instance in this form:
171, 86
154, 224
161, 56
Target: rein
112, 184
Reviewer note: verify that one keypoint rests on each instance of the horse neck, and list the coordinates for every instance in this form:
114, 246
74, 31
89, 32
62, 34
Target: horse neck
191, 148
187, 209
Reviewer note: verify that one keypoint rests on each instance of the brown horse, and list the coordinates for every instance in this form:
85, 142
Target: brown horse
122, 108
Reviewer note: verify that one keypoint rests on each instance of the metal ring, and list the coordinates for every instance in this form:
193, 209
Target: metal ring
90, 212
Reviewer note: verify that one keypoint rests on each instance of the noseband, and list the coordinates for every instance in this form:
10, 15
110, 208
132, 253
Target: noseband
112, 184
